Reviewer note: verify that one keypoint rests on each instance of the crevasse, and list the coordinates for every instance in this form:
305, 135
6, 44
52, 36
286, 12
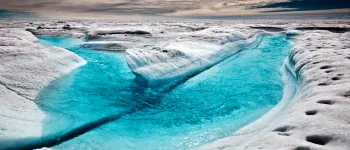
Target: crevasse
177, 60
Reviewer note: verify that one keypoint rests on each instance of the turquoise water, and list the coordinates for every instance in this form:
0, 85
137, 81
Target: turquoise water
206, 107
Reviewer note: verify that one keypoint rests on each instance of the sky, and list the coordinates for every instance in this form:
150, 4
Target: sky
153, 9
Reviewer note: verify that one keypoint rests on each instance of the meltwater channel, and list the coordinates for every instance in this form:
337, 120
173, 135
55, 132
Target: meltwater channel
108, 110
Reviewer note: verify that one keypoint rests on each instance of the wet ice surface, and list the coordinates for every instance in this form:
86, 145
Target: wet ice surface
208, 106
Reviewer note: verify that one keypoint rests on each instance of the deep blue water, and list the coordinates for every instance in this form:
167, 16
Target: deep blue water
206, 107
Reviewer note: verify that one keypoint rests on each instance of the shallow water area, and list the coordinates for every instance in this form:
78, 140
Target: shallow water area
211, 105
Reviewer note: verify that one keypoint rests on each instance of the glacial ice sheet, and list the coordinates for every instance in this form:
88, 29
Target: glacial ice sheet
177, 60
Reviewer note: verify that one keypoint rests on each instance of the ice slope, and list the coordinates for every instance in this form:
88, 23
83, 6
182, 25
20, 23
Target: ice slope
25, 67
318, 117
176, 60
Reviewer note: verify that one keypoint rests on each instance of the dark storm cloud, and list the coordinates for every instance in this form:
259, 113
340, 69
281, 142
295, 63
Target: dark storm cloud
8, 14
307, 5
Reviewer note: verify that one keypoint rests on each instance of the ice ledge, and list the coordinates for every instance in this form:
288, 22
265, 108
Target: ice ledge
25, 67
176, 60
318, 117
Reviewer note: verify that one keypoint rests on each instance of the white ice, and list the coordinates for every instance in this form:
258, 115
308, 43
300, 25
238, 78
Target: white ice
316, 118
26, 66
176, 60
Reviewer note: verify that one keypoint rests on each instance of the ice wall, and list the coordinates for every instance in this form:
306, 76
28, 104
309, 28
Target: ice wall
176, 60
318, 116
25, 67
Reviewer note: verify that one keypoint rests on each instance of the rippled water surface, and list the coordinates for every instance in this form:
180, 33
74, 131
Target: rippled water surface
208, 106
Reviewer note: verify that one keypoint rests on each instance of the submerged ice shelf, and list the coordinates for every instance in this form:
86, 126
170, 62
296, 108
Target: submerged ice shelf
209, 106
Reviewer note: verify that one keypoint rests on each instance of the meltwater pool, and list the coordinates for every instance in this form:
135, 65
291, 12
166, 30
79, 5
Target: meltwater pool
100, 106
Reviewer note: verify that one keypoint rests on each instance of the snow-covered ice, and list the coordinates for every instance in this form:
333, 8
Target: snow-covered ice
173, 61
316, 118
26, 67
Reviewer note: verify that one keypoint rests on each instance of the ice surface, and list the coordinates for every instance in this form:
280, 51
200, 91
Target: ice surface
293, 32
174, 61
107, 45
26, 67
318, 117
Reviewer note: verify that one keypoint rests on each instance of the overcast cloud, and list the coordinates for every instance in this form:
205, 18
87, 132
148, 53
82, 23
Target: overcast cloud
166, 7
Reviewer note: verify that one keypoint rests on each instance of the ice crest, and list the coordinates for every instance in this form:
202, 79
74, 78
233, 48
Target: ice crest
173, 62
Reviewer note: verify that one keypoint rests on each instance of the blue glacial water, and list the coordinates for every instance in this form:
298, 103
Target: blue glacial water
211, 105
